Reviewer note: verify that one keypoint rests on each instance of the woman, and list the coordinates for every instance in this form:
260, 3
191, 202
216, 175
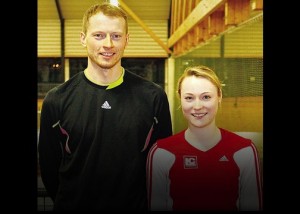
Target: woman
203, 167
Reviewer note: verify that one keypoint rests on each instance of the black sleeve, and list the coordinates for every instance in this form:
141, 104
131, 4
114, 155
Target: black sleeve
49, 146
163, 123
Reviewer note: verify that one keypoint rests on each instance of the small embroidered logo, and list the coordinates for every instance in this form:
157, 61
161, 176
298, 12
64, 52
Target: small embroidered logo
106, 105
190, 162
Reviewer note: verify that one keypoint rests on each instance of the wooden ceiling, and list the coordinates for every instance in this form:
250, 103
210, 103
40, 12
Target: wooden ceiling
74, 9
192, 22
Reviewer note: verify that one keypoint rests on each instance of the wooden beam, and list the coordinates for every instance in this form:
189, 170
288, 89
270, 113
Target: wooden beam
202, 10
205, 29
179, 11
216, 22
257, 5
190, 35
176, 15
183, 10
197, 35
144, 26
172, 18
236, 11
245, 8
195, 30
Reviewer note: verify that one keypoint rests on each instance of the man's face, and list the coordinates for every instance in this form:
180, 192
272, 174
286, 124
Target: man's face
105, 40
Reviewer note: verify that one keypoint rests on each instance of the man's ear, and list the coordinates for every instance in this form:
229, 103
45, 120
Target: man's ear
82, 39
127, 39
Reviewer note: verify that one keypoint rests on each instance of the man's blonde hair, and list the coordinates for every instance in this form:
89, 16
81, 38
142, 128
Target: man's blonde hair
108, 10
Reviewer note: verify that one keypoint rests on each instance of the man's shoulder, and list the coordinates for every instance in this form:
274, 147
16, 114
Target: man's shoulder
64, 87
129, 75
139, 82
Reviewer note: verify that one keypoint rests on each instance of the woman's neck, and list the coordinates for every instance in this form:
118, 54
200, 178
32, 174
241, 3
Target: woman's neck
203, 138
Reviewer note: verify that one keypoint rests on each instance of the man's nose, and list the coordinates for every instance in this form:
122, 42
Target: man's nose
108, 41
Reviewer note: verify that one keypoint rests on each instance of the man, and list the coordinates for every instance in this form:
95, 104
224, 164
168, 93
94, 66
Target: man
96, 128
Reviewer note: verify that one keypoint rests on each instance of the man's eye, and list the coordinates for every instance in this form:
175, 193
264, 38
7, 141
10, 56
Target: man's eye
100, 36
115, 36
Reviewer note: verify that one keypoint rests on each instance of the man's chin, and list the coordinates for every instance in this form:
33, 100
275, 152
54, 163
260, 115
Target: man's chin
107, 65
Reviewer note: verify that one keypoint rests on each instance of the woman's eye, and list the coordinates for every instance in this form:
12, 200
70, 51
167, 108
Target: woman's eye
188, 98
206, 97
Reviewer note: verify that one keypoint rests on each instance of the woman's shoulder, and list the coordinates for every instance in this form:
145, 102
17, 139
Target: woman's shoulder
234, 139
171, 141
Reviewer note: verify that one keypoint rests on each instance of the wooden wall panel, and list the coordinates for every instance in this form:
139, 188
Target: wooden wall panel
140, 43
48, 38
236, 114
245, 42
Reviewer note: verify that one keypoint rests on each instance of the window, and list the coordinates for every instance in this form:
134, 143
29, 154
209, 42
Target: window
149, 68
49, 74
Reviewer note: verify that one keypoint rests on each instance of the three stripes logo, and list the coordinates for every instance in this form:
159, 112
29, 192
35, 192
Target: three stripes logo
224, 158
106, 105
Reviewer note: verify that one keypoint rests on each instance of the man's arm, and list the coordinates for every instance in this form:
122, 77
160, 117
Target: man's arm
49, 148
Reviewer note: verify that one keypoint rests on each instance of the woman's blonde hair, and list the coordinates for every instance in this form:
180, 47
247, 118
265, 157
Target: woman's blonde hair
200, 71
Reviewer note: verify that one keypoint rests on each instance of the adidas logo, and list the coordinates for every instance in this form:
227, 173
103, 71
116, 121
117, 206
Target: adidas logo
224, 158
106, 105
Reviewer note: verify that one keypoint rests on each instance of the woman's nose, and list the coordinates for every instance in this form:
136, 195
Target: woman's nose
198, 104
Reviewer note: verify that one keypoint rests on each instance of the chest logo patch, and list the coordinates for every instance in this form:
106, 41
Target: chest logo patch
106, 105
190, 162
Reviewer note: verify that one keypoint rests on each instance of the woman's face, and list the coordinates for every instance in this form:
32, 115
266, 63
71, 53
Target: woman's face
199, 101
